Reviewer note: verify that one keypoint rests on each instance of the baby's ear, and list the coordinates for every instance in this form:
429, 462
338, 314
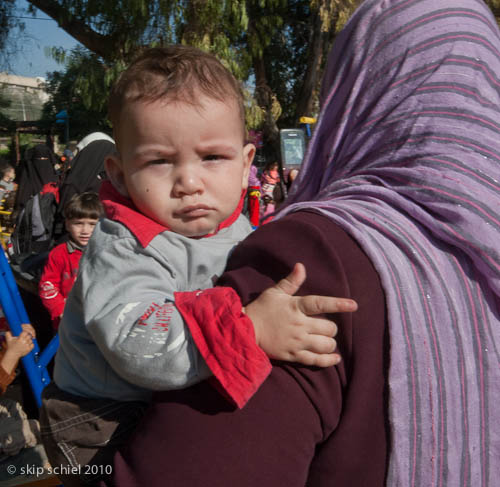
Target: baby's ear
114, 169
248, 155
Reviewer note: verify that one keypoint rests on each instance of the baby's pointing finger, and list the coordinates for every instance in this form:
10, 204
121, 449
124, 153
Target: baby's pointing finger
314, 305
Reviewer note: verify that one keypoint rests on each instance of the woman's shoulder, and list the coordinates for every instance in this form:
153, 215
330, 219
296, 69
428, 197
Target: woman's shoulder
299, 230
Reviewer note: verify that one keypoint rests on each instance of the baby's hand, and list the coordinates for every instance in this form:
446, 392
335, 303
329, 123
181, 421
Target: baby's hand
285, 326
19, 346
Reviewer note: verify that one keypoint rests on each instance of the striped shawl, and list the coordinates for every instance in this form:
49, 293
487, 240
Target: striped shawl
406, 158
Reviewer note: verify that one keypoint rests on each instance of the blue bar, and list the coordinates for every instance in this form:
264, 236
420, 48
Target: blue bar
15, 313
48, 353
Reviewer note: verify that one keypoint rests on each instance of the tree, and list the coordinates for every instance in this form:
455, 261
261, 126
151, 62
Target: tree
12, 34
278, 47
241, 32
6, 8
87, 110
6, 21
495, 8
112, 30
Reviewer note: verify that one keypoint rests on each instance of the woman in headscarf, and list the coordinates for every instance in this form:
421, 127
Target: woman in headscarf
84, 174
396, 206
86, 170
35, 171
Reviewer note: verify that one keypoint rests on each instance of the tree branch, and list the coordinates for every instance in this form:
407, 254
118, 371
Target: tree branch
102, 45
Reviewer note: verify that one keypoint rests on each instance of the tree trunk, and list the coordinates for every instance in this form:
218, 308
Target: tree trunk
265, 97
320, 42
306, 94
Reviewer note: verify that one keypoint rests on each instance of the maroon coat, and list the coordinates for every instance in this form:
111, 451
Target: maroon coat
304, 426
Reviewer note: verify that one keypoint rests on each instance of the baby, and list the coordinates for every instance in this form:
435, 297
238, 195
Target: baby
143, 314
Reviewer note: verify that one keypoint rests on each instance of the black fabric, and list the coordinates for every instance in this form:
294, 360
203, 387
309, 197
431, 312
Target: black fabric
87, 170
34, 172
33, 236
86, 173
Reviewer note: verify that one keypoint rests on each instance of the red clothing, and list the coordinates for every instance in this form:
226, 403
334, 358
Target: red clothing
57, 279
253, 205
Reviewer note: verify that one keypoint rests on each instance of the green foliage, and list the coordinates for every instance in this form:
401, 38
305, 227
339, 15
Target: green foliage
81, 90
11, 33
265, 43
495, 8
5, 122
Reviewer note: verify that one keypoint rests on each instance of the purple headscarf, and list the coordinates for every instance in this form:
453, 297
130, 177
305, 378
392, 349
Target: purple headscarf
406, 158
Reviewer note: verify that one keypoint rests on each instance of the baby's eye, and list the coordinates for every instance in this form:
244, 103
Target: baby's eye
213, 157
158, 162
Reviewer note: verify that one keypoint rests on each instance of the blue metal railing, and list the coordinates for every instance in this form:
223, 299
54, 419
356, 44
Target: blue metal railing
35, 363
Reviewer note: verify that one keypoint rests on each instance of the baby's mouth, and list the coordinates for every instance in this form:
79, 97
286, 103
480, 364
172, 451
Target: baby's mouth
194, 211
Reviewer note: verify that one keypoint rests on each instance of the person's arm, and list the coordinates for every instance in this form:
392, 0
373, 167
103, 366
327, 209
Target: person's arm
132, 313
5, 377
14, 349
49, 287
282, 324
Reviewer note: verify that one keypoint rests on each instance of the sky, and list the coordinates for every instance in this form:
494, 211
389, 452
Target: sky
32, 60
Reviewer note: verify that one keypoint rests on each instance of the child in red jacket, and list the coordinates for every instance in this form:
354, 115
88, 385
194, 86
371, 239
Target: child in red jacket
81, 215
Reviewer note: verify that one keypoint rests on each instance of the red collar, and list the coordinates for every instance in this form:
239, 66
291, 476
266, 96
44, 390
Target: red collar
121, 209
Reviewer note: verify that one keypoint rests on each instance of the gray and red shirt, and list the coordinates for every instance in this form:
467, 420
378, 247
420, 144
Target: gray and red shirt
141, 316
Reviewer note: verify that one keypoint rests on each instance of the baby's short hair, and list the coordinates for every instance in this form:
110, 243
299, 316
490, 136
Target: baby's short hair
84, 205
177, 73
5, 166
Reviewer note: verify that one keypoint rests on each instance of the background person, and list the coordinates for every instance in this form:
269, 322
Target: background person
7, 177
253, 196
269, 179
85, 174
92, 137
82, 212
35, 170
396, 206
19, 436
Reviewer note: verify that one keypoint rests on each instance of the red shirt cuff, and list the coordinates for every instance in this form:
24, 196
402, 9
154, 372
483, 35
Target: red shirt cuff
225, 337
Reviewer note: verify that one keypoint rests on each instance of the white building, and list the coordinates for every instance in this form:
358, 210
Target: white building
26, 97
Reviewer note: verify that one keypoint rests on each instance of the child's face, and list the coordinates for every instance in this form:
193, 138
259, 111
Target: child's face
80, 229
9, 175
183, 165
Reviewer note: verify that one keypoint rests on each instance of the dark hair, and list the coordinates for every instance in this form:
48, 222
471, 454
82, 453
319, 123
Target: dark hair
4, 167
175, 72
84, 205
270, 165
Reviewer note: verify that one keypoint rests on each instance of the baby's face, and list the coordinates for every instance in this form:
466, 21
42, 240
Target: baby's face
9, 175
183, 165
